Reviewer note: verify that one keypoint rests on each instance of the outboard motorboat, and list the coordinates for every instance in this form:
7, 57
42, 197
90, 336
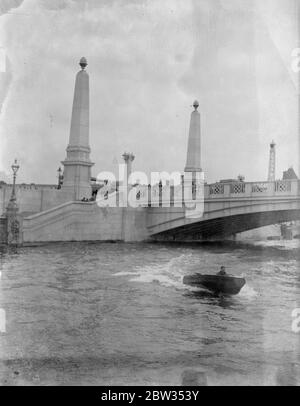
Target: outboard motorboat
225, 284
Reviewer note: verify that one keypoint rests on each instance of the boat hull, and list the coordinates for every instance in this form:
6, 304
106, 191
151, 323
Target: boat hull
225, 284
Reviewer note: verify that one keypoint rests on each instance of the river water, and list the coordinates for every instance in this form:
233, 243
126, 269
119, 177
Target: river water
113, 313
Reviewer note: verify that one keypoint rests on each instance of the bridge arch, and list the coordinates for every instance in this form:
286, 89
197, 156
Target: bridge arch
228, 214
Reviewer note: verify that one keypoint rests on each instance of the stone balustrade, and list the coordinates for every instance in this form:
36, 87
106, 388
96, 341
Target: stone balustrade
252, 189
173, 196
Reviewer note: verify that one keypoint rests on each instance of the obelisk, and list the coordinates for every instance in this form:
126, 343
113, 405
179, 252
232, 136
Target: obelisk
272, 163
193, 159
77, 165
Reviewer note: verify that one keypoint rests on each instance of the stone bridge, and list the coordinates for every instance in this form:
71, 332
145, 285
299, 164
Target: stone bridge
229, 208
159, 214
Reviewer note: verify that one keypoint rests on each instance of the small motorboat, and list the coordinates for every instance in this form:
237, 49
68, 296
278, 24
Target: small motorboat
225, 284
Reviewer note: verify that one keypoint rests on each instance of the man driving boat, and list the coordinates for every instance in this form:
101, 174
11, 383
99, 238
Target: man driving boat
222, 271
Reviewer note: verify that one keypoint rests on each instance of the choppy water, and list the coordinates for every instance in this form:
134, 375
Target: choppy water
106, 314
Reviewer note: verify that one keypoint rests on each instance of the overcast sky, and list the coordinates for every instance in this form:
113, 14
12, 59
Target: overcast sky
148, 61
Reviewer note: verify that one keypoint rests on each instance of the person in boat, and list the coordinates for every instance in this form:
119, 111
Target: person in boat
222, 271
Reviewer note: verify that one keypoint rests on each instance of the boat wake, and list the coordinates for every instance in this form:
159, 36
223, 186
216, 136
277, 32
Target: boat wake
169, 274
248, 292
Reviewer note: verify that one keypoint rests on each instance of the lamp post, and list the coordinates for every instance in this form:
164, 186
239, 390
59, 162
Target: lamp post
13, 224
59, 171
13, 200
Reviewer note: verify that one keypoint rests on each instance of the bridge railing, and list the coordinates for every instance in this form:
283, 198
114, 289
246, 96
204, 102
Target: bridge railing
177, 196
154, 196
255, 189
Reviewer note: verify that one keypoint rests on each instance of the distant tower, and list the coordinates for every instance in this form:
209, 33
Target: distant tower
272, 162
193, 159
128, 158
77, 165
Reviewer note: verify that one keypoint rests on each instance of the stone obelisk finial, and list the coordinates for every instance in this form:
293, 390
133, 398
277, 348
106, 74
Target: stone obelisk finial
193, 160
77, 165
83, 63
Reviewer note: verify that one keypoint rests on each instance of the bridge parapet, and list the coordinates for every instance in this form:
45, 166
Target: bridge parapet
252, 189
177, 196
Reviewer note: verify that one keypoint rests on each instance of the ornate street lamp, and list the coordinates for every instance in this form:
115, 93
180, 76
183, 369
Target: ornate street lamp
13, 225
15, 167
